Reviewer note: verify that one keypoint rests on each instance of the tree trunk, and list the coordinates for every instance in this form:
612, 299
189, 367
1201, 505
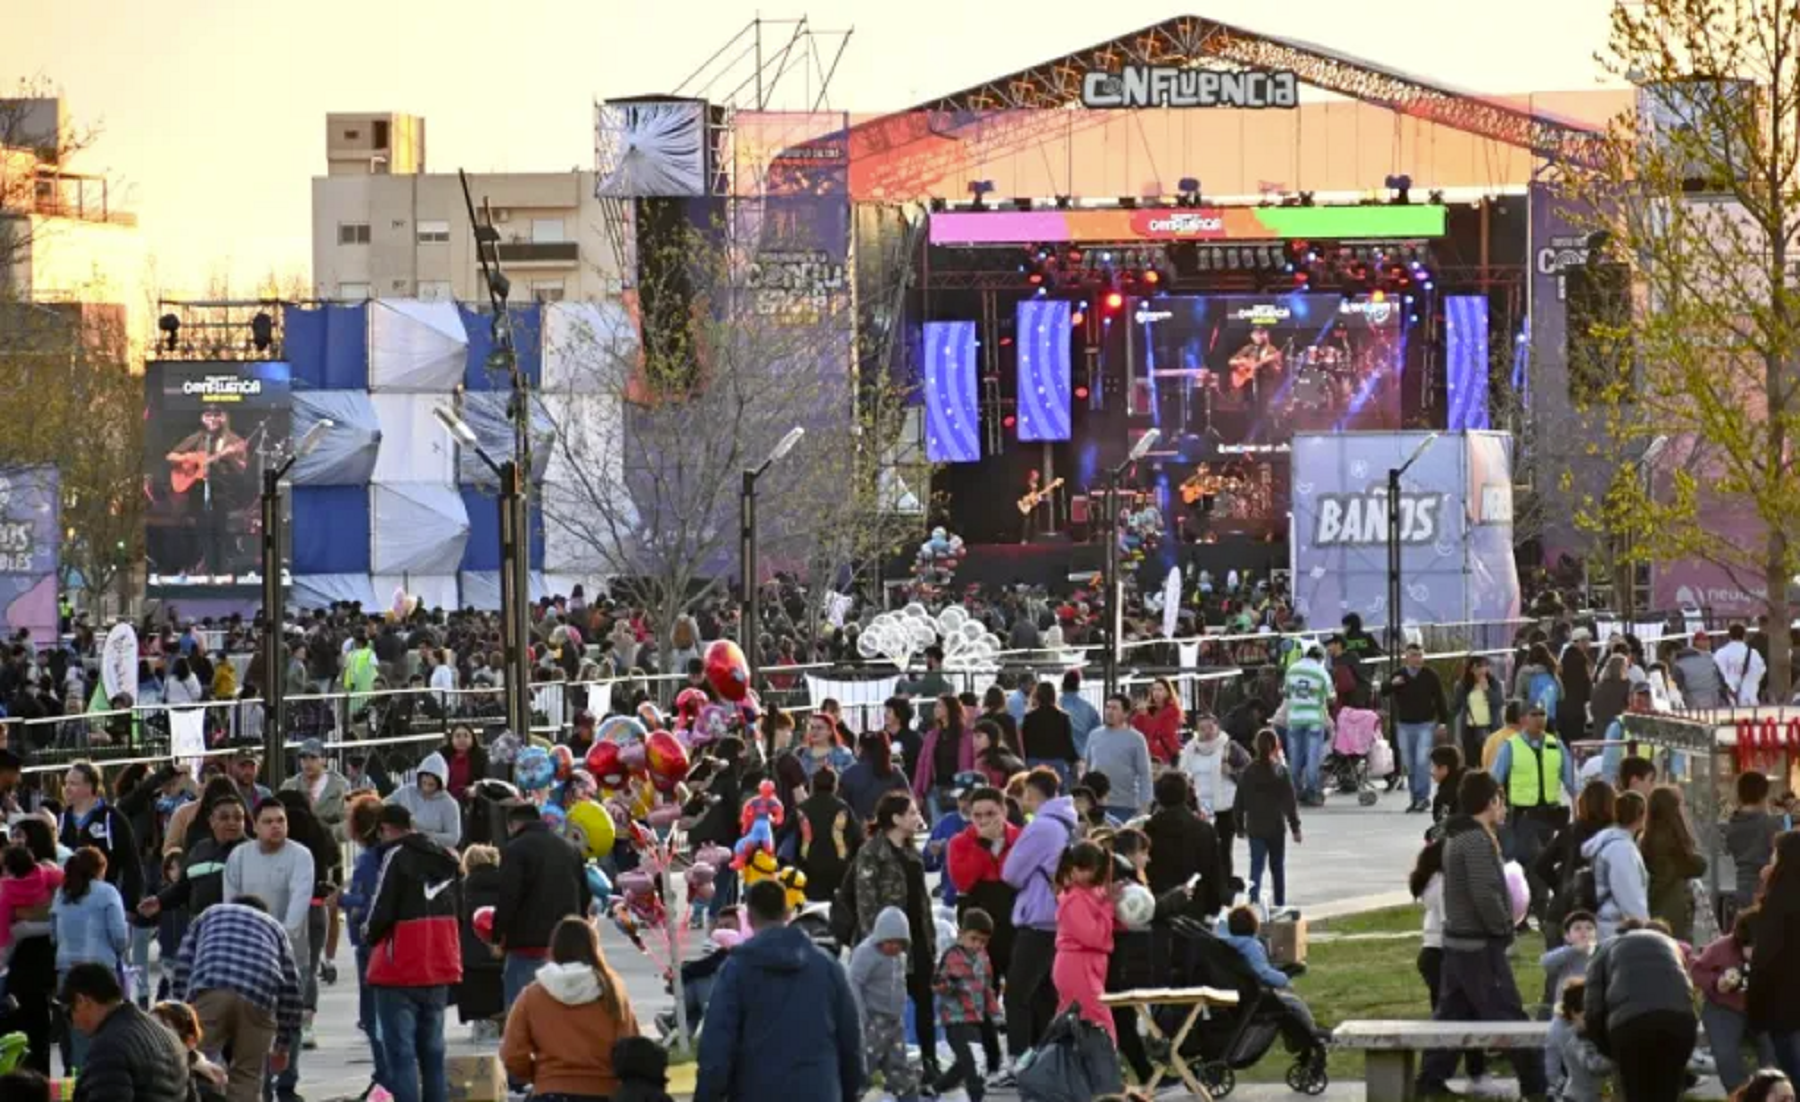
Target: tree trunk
1777, 580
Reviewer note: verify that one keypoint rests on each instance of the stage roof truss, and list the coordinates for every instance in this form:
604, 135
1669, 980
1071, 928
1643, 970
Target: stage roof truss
1012, 112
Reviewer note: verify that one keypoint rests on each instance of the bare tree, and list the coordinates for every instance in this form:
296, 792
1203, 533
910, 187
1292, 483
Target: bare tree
1696, 207
652, 436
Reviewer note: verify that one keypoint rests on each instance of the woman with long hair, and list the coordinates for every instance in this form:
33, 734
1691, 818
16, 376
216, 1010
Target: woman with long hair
871, 776
1672, 858
1047, 733
88, 922
993, 760
946, 751
465, 760
1267, 813
1475, 713
1576, 674
1159, 720
1612, 691
1774, 1003
362, 822
561, 1029
823, 747
993, 707
1559, 861
1537, 683
889, 871
183, 686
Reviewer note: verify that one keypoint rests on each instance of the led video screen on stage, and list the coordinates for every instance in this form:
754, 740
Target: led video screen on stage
207, 430
1244, 369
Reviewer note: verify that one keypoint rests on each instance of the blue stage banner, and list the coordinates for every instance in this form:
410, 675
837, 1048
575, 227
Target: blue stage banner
1466, 366
29, 533
1043, 344
952, 418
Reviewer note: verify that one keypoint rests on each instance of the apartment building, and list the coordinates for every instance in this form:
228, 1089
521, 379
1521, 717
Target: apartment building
384, 227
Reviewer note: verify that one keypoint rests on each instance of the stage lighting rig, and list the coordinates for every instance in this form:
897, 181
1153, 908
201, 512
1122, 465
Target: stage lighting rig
1401, 186
1189, 192
978, 191
171, 330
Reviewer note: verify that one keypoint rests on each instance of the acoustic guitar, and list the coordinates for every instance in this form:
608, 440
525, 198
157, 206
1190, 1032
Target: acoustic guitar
191, 467
1031, 500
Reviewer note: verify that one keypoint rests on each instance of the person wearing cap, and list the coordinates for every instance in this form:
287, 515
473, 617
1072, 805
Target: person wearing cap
244, 769
1536, 772
1641, 702
325, 788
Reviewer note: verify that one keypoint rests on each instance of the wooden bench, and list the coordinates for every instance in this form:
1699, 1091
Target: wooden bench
1198, 1000
1392, 1048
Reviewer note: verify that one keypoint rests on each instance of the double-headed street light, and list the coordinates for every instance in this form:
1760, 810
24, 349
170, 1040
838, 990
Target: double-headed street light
1115, 586
747, 552
1395, 592
274, 646
515, 578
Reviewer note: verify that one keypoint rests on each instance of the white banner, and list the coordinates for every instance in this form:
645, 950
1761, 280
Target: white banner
187, 736
119, 662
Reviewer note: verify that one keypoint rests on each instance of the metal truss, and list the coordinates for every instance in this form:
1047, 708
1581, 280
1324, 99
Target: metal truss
904, 152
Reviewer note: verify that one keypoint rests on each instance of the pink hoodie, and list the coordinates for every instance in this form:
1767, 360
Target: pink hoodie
18, 893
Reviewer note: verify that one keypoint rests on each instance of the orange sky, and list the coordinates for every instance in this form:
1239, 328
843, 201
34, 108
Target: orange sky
213, 110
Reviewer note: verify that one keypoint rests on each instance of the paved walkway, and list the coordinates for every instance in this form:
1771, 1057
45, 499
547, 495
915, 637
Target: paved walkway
1353, 859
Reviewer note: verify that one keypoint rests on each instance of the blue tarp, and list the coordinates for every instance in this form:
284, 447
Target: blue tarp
330, 530
527, 327
328, 346
482, 552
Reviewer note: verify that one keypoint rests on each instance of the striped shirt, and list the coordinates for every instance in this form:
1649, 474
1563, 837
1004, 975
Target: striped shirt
1308, 690
236, 948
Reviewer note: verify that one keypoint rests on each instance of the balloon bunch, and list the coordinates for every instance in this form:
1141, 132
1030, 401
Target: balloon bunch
934, 566
638, 771
401, 608
898, 636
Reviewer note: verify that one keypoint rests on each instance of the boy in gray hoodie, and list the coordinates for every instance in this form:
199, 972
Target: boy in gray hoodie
435, 812
878, 984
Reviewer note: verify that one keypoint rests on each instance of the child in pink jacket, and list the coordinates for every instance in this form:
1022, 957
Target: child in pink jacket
1084, 932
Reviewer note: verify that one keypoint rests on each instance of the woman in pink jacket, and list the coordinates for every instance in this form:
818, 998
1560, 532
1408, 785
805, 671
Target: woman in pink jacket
1084, 932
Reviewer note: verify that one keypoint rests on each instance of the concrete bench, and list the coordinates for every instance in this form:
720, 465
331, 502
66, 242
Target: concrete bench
1392, 1048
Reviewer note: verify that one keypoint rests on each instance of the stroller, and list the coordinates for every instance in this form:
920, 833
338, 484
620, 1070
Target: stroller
1358, 755
1229, 1039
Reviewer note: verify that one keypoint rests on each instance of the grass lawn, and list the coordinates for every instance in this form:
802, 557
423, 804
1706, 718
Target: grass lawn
1375, 978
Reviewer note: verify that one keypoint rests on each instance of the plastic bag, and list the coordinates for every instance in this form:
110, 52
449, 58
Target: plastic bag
1075, 1062
1381, 758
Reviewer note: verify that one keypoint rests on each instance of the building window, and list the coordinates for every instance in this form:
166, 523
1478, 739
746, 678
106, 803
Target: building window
547, 291
546, 230
381, 134
434, 290
352, 135
434, 233
353, 233
353, 292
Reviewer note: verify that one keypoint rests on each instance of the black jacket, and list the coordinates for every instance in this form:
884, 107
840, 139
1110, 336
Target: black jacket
1265, 801
829, 836
543, 883
480, 995
1419, 698
414, 922
1047, 733
1632, 975
1477, 906
132, 1055
1181, 845
1775, 930
109, 831
202, 880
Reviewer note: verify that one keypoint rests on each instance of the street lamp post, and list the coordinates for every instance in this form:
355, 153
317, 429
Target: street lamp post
515, 589
1628, 599
1395, 592
747, 555
274, 664
1115, 586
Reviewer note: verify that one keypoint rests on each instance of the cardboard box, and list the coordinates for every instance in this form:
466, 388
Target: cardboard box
1287, 942
475, 1079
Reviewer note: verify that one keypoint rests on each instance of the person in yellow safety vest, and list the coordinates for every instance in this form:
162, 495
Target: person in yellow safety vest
359, 672
1537, 773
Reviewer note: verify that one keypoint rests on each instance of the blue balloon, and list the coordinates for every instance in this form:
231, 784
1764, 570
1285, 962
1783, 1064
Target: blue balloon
598, 885
534, 771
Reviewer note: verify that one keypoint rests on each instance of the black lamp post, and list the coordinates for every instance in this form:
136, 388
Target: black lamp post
1395, 591
274, 661
747, 555
1115, 586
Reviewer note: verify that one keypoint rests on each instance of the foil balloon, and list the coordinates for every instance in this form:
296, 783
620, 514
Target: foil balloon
689, 704
726, 670
666, 759
604, 766
620, 729
750, 709
533, 771
662, 816
713, 854
554, 816
700, 882
563, 759
483, 922
634, 758
591, 829
649, 716
580, 786
711, 724
598, 885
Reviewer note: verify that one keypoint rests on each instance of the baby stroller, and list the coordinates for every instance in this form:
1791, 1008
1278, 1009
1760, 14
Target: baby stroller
1357, 753
1226, 1040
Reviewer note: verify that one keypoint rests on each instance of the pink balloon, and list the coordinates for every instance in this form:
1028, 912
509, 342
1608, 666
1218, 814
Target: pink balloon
1520, 890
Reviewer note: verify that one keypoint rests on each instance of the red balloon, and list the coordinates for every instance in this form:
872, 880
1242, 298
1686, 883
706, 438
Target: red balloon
603, 762
666, 759
483, 921
726, 670
563, 759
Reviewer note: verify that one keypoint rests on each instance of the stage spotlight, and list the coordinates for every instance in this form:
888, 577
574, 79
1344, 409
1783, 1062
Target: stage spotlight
1114, 300
1436, 196
1010, 421
980, 189
1021, 204
938, 206
1401, 186
1035, 278
1077, 318
1152, 277
1081, 394
1127, 202
1378, 296
1306, 198
1063, 202
171, 328
262, 331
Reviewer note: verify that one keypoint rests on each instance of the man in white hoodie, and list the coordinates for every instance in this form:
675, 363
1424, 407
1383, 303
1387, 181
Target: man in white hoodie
435, 813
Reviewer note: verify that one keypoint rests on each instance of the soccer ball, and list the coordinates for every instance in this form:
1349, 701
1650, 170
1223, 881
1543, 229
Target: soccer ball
1136, 907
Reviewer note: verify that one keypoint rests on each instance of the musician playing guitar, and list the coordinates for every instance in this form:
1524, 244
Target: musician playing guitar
196, 465
1035, 495
1248, 365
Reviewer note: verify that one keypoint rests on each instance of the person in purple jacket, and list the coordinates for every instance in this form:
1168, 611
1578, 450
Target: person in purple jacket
1030, 869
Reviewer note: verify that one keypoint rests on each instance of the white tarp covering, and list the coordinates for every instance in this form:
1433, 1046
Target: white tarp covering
414, 447
481, 588
589, 444
574, 528
589, 347
655, 148
322, 590
485, 412
417, 346
417, 528
346, 455
432, 590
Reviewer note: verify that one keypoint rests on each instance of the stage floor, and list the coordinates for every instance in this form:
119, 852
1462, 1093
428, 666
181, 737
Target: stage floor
1061, 566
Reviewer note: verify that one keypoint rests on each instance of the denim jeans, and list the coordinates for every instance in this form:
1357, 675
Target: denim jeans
371, 1024
1274, 852
517, 973
1308, 745
1787, 1053
412, 1030
1415, 755
1060, 766
1725, 1031
141, 937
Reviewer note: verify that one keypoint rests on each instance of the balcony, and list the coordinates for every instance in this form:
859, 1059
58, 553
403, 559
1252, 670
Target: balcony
539, 252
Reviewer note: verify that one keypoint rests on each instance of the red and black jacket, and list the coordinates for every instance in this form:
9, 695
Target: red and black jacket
414, 918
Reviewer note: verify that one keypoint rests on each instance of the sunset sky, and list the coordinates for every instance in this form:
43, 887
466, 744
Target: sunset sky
213, 111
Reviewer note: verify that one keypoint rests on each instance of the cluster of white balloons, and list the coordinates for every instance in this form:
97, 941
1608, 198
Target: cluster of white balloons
898, 636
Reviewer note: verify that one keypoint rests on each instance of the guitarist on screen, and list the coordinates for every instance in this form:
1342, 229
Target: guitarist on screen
1251, 362
197, 465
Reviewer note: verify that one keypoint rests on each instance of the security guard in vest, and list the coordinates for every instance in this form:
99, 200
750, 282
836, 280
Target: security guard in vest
1537, 773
